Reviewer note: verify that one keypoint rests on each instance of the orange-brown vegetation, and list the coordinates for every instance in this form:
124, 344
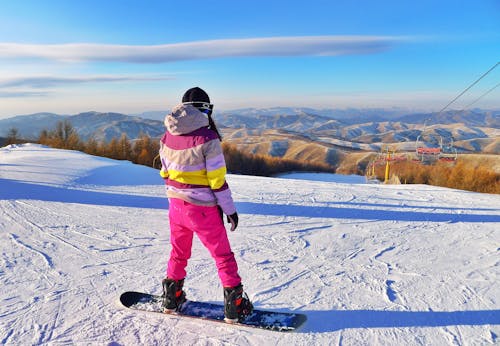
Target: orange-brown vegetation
12, 138
144, 150
240, 162
462, 175
474, 173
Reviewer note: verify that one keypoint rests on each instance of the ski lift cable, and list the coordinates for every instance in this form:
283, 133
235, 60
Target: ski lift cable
480, 97
463, 92
457, 97
469, 87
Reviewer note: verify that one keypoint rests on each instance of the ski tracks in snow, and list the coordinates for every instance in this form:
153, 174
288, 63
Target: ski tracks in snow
391, 282
59, 250
368, 264
284, 268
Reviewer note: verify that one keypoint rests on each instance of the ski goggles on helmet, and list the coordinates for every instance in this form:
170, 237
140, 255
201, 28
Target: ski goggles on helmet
205, 107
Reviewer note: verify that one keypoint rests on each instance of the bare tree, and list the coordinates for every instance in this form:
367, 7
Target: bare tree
12, 136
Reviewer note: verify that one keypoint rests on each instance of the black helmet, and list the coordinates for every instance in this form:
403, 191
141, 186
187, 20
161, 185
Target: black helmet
199, 99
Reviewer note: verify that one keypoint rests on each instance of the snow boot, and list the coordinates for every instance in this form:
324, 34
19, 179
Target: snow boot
173, 295
236, 304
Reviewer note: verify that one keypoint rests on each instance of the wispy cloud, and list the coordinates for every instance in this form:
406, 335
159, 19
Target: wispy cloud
50, 81
271, 46
22, 94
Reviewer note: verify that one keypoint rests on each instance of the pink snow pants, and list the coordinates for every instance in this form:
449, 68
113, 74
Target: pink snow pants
187, 219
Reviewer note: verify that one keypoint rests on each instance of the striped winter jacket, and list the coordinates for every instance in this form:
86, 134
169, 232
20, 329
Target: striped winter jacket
192, 160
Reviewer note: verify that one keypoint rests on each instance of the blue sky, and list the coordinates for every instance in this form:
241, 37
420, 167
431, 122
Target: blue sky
133, 56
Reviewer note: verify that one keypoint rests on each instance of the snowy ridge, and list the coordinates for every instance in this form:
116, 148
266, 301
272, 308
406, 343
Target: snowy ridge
368, 264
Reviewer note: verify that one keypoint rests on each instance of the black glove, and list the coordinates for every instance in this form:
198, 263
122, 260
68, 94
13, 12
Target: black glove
233, 220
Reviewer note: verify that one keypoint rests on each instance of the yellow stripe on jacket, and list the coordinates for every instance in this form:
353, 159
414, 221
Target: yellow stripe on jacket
214, 179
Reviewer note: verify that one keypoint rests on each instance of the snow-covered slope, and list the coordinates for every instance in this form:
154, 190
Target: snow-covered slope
368, 264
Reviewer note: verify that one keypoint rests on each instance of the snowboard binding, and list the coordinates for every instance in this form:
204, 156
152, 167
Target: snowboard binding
236, 304
173, 295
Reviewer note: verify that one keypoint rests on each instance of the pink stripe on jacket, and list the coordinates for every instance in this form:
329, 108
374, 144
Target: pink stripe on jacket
193, 163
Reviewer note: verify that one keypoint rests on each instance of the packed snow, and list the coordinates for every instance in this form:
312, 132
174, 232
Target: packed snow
367, 263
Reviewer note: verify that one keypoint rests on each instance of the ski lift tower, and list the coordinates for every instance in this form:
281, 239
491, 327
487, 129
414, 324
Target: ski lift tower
390, 155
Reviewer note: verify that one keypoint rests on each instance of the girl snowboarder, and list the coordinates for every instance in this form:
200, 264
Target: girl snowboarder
194, 170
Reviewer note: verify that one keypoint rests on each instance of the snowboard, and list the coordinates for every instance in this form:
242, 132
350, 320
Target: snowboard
271, 320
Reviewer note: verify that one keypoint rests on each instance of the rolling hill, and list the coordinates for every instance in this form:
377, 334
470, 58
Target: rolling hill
326, 136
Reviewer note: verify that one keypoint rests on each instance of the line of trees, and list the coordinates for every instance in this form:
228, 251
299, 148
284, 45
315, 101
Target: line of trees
461, 175
144, 150
12, 138
240, 162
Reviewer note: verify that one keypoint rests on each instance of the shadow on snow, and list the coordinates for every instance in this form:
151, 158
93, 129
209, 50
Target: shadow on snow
13, 189
354, 212
330, 321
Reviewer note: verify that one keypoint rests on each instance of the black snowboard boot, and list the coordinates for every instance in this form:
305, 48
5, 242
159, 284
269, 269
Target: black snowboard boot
236, 304
173, 295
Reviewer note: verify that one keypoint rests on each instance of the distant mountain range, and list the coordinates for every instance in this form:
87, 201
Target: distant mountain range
358, 115
102, 126
302, 133
333, 135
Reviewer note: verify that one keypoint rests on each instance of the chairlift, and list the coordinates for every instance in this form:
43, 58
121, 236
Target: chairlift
428, 152
448, 152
